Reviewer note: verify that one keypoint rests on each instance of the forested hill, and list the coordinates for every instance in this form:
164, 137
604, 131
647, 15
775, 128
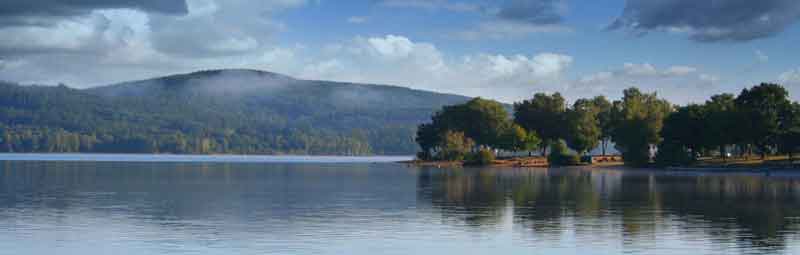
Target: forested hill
219, 111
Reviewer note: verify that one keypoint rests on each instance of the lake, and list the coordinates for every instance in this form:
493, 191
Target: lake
309, 205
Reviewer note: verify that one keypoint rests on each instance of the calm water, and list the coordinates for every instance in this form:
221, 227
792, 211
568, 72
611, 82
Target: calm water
314, 207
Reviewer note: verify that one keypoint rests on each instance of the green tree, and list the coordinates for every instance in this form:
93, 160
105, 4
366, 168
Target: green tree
455, 145
683, 130
605, 120
481, 120
543, 114
641, 118
790, 130
514, 138
720, 122
583, 129
760, 108
427, 138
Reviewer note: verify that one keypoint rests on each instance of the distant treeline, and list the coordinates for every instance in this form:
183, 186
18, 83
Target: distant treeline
759, 120
301, 119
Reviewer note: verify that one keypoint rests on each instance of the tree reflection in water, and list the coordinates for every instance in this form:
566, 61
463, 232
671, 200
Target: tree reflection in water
638, 206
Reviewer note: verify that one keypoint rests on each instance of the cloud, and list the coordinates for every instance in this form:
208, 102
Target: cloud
398, 60
710, 21
501, 20
102, 46
219, 28
504, 30
791, 77
42, 12
537, 12
678, 83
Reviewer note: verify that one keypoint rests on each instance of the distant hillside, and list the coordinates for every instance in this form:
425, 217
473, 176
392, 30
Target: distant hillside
218, 111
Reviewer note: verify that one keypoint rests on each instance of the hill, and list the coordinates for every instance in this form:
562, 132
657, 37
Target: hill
218, 111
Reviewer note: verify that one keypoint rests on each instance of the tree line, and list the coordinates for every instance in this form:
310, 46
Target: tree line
644, 128
62, 119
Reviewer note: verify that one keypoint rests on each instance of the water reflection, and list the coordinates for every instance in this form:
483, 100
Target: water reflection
639, 207
227, 208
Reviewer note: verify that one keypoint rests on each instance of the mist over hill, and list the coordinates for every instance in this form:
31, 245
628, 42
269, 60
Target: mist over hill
217, 111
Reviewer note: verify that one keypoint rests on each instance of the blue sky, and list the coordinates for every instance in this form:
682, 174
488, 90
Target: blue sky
686, 50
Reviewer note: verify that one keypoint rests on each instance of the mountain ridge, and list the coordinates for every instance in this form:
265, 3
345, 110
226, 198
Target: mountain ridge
241, 111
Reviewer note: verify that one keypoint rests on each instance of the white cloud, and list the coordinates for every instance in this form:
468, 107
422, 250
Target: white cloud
709, 78
645, 69
398, 60
392, 46
679, 70
791, 77
71, 34
674, 82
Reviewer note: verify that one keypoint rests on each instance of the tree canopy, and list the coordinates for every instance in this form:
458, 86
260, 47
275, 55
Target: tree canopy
543, 114
583, 126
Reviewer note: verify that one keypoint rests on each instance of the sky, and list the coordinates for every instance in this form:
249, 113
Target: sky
685, 50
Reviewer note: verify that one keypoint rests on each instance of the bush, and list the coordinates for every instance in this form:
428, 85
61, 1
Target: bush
672, 154
560, 155
483, 157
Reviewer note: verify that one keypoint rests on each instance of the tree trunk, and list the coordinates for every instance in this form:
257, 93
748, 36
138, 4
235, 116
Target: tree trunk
723, 153
604, 144
544, 150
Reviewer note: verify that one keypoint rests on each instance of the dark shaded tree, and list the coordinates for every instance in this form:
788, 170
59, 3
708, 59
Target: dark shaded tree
760, 108
582, 124
543, 114
640, 121
721, 122
605, 120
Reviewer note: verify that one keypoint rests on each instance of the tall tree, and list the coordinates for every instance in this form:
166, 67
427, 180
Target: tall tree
720, 122
605, 120
480, 119
684, 130
760, 108
427, 138
790, 130
543, 114
641, 118
583, 129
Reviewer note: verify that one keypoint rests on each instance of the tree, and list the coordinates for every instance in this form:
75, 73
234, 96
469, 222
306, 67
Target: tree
683, 131
583, 130
514, 138
639, 123
790, 130
479, 119
760, 108
454, 145
605, 120
543, 114
427, 138
720, 122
